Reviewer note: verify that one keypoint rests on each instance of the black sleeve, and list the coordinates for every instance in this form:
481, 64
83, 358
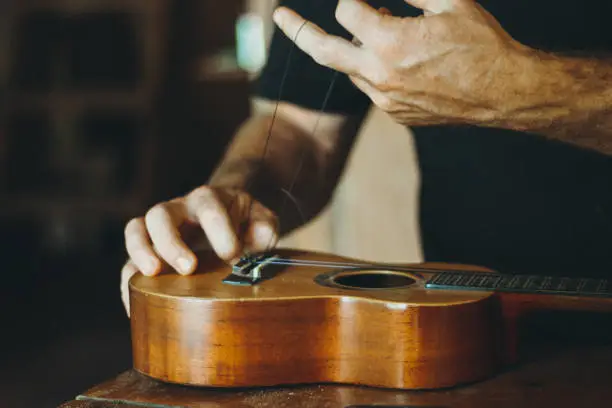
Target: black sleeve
306, 82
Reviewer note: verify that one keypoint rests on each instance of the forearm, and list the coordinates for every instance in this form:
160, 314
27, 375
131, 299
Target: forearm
563, 98
286, 170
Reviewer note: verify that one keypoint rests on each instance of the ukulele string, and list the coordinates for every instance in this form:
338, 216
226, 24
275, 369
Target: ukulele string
347, 265
330, 264
288, 192
413, 270
244, 219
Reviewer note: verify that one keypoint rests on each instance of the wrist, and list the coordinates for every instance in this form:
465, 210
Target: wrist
235, 174
524, 90
547, 91
248, 175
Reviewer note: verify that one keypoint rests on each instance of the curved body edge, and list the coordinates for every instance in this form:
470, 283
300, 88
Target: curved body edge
194, 330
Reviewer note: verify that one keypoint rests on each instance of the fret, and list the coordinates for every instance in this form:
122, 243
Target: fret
533, 283
508, 282
547, 283
459, 280
562, 284
479, 281
571, 285
603, 286
449, 278
492, 281
471, 280
590, 285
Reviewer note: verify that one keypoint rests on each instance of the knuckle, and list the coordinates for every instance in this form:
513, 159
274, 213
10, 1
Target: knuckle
320, 58
202, 199
201, 192
133, 225
392, 46
171, 251
385, 103
382, 79
339, 14
207, 208
324, 54
218, 221
156, 212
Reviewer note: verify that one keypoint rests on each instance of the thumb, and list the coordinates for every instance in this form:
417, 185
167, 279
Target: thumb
255, 226
437, 6
128, 270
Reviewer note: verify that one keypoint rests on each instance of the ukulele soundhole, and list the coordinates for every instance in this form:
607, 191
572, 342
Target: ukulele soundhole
365, 280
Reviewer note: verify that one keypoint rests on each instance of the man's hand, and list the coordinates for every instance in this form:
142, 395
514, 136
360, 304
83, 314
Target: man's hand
230, 221
454, 65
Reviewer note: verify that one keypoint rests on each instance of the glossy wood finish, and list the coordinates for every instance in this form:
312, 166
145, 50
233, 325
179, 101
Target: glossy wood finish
290, 330
99, 404
559, 377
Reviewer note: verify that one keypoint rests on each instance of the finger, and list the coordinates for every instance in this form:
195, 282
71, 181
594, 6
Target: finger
377, 97
372, 27
262, 231
128, 270
205, 205
383, 10
139, 247
327, 50
162, 222
437, 6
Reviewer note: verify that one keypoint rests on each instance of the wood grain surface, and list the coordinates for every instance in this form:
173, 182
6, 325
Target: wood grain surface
289, 329
559, 377
86, 403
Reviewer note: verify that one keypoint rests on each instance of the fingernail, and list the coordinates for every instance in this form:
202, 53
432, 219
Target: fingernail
151, 266
278, 15
184, 265
263, 232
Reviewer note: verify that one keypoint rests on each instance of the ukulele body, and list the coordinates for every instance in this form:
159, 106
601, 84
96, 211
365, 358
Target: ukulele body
310, 324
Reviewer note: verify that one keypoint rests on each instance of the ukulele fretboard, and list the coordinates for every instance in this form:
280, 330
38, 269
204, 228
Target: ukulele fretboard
457, 280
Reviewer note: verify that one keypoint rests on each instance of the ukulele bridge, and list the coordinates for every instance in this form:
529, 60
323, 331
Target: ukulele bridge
249, 270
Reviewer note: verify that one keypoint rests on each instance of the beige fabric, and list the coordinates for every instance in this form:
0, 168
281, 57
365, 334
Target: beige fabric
373, 214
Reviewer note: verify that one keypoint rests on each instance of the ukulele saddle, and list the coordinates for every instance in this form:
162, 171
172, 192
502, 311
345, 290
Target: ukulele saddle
249, 270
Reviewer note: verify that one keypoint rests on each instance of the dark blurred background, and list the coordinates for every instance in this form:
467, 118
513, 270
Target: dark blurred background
108, 106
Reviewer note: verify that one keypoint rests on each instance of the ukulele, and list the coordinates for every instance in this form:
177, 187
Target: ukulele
297, 317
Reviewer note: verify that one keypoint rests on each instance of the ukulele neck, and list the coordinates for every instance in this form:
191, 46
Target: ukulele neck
521, 284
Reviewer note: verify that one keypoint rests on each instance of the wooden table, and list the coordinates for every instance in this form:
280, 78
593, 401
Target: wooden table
570, 377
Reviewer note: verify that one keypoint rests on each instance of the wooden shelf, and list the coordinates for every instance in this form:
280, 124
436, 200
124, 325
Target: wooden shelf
221, 66
26, 204
81, 6
49, 100
64, 105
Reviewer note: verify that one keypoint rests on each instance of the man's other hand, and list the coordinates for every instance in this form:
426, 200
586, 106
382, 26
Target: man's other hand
452, 65
228, 221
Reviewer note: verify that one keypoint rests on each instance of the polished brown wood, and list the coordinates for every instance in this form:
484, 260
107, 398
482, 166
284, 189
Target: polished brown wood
572, 376
98, 404
289, 329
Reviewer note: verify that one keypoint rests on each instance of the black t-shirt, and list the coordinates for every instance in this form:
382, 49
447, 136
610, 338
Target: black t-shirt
507, 200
